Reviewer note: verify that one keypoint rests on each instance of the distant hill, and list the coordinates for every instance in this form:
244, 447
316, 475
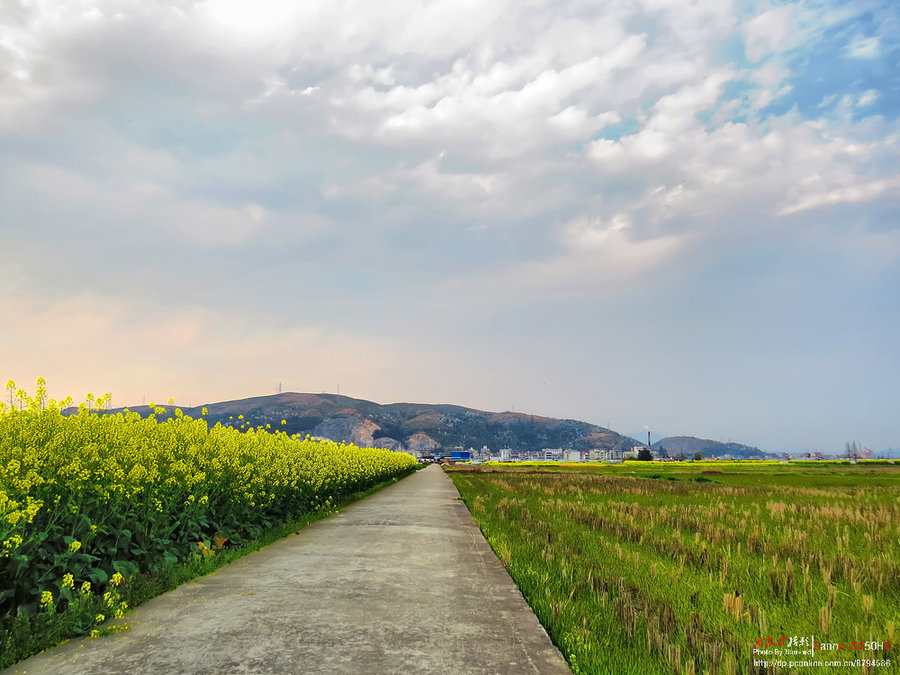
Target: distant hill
689, 446
417, 426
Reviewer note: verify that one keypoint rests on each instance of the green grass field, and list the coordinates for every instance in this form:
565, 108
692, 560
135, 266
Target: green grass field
688, 567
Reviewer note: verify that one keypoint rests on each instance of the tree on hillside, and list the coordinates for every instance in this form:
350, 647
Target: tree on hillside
644, 455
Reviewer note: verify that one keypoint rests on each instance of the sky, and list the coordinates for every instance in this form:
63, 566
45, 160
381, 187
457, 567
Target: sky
680, 215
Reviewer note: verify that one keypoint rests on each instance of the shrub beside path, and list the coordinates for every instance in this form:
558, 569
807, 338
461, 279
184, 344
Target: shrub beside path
400, 582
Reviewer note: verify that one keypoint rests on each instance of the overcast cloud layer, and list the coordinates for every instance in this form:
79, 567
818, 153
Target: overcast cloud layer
681, 215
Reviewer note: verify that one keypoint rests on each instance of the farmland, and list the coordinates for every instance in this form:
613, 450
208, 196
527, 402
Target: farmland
685, 568
89, 500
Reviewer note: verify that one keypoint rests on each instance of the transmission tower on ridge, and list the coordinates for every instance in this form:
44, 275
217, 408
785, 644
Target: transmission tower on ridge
278, 388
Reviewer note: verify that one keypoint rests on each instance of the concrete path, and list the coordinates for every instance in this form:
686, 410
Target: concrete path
400, 582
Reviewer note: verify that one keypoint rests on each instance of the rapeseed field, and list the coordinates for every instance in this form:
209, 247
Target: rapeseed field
91, 498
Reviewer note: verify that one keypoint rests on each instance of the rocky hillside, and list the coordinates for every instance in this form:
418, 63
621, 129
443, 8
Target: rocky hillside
689, 445
417, 426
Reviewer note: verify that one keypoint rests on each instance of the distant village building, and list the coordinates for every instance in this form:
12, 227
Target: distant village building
605, 455
572, 455
482, 455
552, 454
504, 454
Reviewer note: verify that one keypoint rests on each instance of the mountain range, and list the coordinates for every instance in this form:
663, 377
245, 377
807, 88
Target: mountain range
422, 427
431, 429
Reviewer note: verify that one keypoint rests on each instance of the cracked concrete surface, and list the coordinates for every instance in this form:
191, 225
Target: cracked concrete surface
400, 582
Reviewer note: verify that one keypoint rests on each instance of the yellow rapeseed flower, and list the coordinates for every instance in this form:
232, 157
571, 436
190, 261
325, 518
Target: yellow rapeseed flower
12, 543
153, 466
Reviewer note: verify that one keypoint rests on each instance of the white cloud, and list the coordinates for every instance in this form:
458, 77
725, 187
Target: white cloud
367, 156
260, 20
457, 188
864, 48
591, 234
598, 257
867, 98
762, 98
677, 111
445, 27
768, 75
768, 31
201, 224
504, 110
672, 125
144, 196
859, 192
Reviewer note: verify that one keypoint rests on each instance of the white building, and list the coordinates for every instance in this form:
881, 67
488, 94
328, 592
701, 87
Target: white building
552, 454
605, 455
